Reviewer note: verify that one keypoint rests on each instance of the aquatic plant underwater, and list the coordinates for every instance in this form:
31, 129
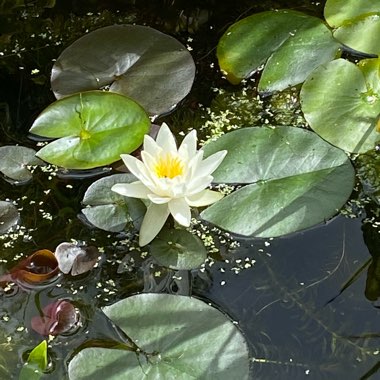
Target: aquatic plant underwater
189, 197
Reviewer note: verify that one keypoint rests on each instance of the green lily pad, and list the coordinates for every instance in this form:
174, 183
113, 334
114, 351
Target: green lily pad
357, 23
341, 102
15, 162
178, 249
295, 181
362, 34
93, 129
151, 67
108, 210
290, 44
339, 12
9, 216
184, 337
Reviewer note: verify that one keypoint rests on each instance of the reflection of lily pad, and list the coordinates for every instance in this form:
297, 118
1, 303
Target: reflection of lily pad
151, 67
178, 249
341, 102
357, 23
109, 210
9, 216
185, 337
290, 44
295, 180
93, 129
15, 160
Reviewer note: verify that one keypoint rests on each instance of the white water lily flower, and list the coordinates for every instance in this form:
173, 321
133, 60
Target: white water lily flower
172, 179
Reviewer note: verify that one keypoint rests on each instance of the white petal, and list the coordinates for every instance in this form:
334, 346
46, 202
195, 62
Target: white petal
180, 211
195, 162
162, 187
138, 169
209, 165
165, 139
154, 219
132, 164
198, 184
151, 147
148, 175
204, 198
178, 189
157, 199
135, 189
188, 147
149, 162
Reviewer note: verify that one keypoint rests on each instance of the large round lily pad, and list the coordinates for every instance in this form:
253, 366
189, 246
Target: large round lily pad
151, 67
93, 129
108, 210
357, 23
184, 337
341, 102
290, 44
295, 180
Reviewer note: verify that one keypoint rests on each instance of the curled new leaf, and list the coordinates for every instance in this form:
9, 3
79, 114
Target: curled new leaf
37, 363
35, 269
75, 258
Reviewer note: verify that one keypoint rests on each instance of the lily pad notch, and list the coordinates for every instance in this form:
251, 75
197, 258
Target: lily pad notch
140, 62
289, 44
293, 180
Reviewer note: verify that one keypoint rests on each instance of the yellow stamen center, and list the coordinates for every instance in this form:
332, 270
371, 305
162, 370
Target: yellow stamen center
168, 166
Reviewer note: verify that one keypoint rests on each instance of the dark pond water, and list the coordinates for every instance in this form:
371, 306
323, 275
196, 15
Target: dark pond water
307, 303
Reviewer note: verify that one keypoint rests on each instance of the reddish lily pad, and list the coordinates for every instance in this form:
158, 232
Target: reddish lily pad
58, 317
